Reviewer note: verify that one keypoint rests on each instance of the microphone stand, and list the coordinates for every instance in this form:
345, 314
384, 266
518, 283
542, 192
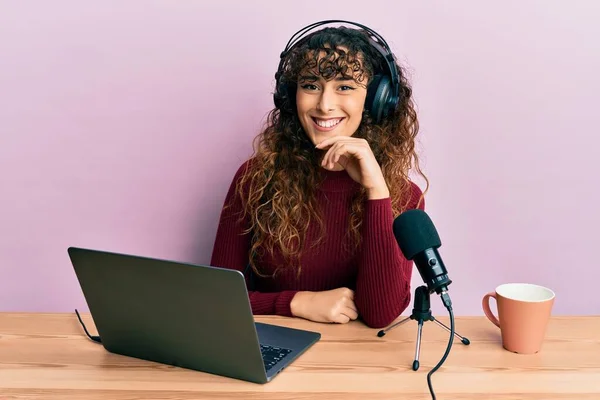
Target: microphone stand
421, 313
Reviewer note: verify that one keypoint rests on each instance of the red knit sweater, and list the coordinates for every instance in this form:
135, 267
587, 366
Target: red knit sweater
378, 273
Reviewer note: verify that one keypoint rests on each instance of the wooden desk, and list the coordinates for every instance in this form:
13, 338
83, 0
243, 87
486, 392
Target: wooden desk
47, 356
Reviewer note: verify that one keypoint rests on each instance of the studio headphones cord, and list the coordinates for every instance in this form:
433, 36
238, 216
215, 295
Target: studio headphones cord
448, 304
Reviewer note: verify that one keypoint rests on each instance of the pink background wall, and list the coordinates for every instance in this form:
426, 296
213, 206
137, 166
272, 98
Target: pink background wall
122, 123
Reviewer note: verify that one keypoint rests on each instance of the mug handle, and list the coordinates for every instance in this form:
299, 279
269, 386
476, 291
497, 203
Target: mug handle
486, 308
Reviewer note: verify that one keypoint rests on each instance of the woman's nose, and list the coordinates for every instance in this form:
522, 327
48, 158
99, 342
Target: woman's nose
326, 101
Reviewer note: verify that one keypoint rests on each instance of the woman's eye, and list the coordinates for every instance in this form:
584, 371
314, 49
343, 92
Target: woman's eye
345, 87
309, 86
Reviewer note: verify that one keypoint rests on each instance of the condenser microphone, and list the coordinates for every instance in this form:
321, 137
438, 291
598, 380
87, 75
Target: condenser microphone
418, 240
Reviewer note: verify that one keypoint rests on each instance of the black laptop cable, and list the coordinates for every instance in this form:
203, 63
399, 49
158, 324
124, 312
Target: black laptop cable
94, 338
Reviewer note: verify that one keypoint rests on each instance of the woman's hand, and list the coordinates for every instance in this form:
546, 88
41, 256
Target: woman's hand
356, 157
333, 306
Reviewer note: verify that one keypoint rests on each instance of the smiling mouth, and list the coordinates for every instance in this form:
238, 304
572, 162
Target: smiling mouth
326, 124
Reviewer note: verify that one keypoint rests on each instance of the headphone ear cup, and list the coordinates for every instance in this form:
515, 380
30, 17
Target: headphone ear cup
278, 93
290, 90
378, 97
284, 91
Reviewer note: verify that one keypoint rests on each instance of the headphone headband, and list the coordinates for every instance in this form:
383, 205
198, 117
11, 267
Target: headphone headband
376, 40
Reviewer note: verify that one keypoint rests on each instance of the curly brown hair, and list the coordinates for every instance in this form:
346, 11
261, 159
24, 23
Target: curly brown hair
279, 184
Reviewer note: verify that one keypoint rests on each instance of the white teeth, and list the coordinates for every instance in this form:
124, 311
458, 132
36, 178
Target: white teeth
329, 123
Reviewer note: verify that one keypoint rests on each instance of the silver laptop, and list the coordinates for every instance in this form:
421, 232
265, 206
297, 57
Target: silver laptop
191, 316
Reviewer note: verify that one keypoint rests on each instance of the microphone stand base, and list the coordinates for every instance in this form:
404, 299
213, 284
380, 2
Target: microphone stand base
421, 313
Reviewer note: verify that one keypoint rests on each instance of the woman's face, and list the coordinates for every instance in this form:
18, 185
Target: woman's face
329, 108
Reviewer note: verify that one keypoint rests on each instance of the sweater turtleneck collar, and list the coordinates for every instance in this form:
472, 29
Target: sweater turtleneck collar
337, 181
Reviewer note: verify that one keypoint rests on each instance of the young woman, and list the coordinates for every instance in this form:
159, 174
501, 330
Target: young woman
308, 218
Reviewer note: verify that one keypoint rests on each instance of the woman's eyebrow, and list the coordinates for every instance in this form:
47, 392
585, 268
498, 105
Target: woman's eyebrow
309, 77
312, 78
344, 79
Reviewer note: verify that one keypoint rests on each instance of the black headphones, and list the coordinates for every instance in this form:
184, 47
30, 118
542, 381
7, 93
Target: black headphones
383, 93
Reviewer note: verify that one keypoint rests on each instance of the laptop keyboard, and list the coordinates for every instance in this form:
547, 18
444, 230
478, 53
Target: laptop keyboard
272, 355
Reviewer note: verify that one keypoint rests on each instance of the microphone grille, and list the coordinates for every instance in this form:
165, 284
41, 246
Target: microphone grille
415, 232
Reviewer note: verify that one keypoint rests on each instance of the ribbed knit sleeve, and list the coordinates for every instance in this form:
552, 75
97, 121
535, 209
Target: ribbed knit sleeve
384, 274
231, 251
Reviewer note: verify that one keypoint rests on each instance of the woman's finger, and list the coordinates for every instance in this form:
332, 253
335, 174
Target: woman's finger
327, 159
350, 313
341, 318
338, 139
347, 150
350, 304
